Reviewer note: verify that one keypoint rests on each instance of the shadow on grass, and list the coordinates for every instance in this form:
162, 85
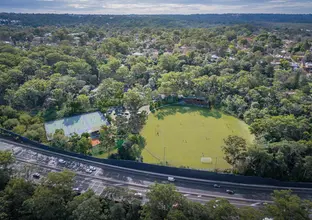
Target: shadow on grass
172, 110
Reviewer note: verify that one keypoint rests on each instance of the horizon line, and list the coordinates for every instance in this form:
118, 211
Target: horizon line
241, 13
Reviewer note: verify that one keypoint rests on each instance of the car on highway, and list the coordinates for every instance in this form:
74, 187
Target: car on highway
171, 179
138, 195
36, 175
216, 186
228, 191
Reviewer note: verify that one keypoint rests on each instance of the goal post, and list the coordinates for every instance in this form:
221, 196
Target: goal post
206, 160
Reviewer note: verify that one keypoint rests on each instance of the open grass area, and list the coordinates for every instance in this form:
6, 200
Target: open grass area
183, 135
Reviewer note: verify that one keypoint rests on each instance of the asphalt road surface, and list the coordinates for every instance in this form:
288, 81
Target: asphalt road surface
97, 178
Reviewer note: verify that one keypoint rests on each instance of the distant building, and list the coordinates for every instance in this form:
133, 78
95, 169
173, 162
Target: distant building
294, 66
214, 58
195, 101
138, 54
276, 63
86, 123
308, 67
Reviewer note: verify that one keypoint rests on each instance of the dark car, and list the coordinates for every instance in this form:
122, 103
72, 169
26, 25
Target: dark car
36, 175
231, 192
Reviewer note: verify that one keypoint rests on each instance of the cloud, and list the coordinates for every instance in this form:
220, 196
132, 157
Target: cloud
156, 6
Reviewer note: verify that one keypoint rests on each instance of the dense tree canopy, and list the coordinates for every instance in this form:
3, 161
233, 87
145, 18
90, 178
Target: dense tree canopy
254, 72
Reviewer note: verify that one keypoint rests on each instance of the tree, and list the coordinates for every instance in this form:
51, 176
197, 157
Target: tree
287, 206
168, 62
107, 138
51, 197
307, 167
234, 149
118, 212
249, 213
258, 162
46, 205
131, 148
84, 145
31, 94
59, 140
109, 93
113, 65
138, 71
61, 67
137, 121
194, 211
161, 200
84, 103
176, 215
122, 74
25, 119
136, 98
15, 193
285, 64
6, 159
222, 209
276, 128
11, 123
89, 209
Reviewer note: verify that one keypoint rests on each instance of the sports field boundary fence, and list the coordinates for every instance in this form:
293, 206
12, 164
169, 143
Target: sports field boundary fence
160, 169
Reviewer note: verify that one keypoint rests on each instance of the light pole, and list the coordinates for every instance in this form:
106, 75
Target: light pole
164, 154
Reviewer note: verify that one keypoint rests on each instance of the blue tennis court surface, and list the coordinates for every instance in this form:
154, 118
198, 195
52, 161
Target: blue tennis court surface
79, 124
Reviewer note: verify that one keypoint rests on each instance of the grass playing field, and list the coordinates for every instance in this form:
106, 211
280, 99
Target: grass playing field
183, 135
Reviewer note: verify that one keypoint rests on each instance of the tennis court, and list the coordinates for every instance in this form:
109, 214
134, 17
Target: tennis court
89, 122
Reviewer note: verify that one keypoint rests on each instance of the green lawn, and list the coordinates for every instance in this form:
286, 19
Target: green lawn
185, 134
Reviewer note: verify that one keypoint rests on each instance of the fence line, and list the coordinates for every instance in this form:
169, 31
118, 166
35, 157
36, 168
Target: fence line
183, 172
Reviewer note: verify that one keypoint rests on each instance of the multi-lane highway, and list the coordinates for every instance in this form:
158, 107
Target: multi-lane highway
97, 176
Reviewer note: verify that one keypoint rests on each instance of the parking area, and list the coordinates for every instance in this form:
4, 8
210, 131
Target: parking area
29, 163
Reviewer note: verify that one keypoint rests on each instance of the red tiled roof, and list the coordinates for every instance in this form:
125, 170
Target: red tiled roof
95, 142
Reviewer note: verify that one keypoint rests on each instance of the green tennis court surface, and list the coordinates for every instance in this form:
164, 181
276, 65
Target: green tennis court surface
190, 137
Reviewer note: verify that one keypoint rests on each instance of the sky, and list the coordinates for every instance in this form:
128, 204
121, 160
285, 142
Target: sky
157, 6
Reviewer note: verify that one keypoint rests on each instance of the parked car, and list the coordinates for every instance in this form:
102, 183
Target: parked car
77, 191
36, 175
171, 179
92, 168
61, 161
89, 171
231, 192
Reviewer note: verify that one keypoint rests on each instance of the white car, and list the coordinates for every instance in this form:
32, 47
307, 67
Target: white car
92, 168
139, 195
89, 171
61, 161
171, 179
